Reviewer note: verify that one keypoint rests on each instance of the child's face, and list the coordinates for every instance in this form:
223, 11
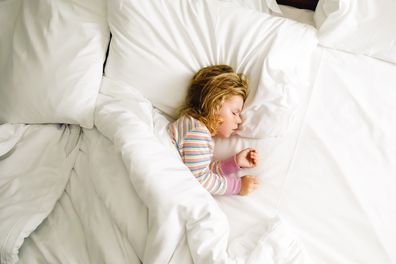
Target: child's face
230, 116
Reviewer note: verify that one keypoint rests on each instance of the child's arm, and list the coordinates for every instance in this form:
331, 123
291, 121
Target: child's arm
226, 166
246, 158
196, 152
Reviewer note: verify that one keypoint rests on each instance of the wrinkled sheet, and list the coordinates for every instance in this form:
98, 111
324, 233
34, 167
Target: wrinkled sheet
98, 218
35, 166
357, 26
341, 195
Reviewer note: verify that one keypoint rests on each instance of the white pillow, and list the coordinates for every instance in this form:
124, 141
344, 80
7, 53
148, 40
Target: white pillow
359, 26
266, 6
157, 46
51, 60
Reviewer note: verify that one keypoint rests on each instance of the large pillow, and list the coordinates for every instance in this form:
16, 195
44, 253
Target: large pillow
51, 60
359, 26
157, 46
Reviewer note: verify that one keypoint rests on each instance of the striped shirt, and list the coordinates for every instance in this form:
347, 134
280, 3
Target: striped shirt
195, 145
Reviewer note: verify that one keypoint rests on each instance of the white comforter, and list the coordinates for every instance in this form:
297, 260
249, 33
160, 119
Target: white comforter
100, 219
177, 205
35, 166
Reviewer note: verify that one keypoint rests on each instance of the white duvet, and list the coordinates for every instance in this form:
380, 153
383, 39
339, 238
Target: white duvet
177, 205
35, 166
98, 218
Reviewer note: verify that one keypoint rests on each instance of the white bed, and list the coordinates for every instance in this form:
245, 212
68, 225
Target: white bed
109, 187
347, 141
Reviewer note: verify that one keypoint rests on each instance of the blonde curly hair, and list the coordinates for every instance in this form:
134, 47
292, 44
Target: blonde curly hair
208, 90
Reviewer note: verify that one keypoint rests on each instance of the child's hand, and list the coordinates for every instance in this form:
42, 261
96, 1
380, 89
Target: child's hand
248, 184
247, 158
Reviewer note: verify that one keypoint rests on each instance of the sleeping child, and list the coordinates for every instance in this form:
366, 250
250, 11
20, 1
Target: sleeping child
212, 109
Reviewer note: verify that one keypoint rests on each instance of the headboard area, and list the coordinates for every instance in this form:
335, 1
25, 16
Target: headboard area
304, 4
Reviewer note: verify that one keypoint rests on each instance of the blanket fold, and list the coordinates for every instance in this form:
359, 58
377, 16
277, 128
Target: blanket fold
45, 155
177, 205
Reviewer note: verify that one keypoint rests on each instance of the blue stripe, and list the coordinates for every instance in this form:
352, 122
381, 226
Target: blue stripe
196, 154
199, 169
187, 147
199, 131
196, 162
219, 187
197, 138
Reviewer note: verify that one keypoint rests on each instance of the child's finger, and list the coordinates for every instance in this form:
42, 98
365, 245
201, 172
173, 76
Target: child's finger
253, 158
251, 150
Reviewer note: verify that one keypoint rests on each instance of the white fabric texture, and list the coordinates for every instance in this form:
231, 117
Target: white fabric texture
178, 206
359, 26
157, 46
51, 60
31, 184
9, 137
127, 197
98, 219
341, 189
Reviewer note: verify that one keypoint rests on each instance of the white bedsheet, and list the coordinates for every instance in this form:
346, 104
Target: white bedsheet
34, 170
98, 219
341, 195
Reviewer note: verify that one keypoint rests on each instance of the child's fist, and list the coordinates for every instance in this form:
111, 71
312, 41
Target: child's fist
248, 184
247, 158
